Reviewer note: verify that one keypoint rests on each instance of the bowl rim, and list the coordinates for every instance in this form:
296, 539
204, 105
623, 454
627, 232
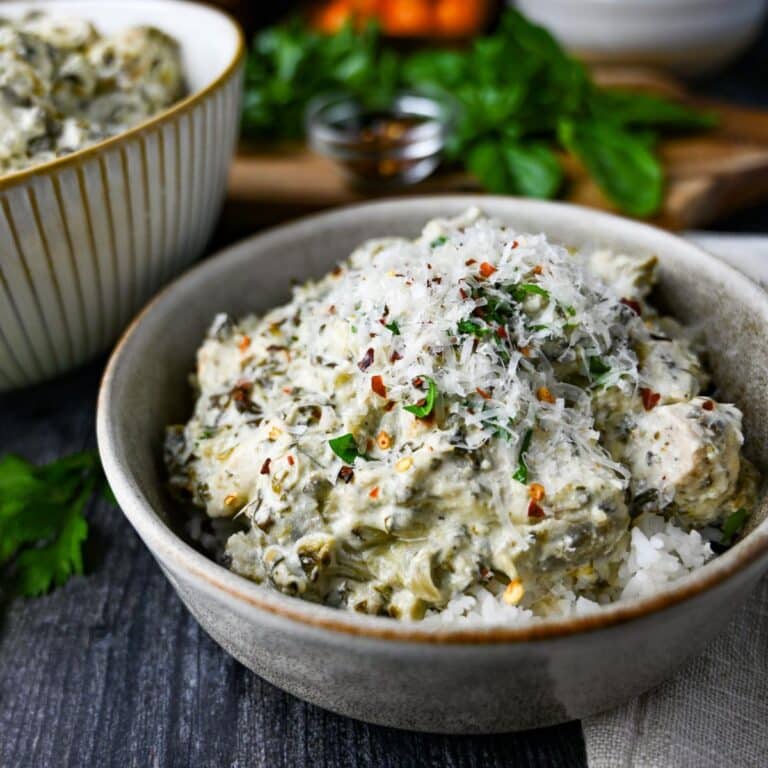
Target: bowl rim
155, 121
224, 584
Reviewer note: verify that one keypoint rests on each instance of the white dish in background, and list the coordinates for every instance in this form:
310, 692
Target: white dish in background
88, 237
685, 36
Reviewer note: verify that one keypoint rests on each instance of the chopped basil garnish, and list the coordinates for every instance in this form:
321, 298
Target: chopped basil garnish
442, 240
521, 474
345, 448
732, 525
598, 366
423, 410
519, 292
393, 327
471, 327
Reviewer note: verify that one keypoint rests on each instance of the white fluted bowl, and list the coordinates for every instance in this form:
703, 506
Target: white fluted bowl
87, 238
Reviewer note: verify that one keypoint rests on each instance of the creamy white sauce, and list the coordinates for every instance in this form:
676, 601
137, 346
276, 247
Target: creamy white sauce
563, 408
64, 86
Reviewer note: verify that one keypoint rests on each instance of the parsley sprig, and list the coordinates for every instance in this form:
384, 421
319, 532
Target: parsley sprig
42, 522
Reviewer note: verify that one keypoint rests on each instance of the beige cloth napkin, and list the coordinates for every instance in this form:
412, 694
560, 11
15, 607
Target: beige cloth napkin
714, 712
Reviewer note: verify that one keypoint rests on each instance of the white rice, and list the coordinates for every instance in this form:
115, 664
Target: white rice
658, 553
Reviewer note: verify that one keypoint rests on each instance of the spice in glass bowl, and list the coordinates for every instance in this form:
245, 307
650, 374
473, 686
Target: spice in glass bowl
399, 144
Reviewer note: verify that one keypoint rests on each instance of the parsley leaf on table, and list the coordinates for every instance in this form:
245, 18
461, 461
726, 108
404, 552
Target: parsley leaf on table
42, 525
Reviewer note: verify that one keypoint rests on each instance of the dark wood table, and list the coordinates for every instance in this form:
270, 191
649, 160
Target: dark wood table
111, 670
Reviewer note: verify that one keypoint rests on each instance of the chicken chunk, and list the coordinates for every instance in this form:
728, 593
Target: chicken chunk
684, 459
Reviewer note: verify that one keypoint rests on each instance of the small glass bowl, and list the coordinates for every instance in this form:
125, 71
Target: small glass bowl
398, 145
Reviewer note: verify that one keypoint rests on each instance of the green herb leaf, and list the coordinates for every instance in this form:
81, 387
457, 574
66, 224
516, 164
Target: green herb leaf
521, 291
393, 327
438, 241
345, 448
598, 366
733, 525
638, 109
422, 411
513, 167
472, 328
42, 525
515, 96
521, 473
622, 164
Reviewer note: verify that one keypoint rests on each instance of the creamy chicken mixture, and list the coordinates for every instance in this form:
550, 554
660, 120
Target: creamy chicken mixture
64, 86
475, 408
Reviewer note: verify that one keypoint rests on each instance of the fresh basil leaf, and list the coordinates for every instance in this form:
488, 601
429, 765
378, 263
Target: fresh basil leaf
393, 328
637, 109
521, 474
510, 167
598, 366
473, 328
423, 410
345, 448
522, 290
733, 525
624, 168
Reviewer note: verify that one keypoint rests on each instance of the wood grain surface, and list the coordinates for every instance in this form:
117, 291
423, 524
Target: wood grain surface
111, 670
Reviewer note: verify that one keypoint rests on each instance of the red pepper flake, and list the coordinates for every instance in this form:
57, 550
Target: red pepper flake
245, 342
545, 395
265, 467
633, 305
485, 395
377, 385
291, 460
708, 405
534, 510
374, 494
409, 282
463, 293
486, 269
538, 269
367, 360
369, 444
501, 332
515, 244
287, 390
650, 398
336, 271
417, 382
525, 351
389, 406
346, 475
394, 357
470, 262
242, 389
332, 309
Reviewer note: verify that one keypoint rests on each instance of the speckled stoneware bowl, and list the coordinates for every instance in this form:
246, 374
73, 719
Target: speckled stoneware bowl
405, 675
87, 238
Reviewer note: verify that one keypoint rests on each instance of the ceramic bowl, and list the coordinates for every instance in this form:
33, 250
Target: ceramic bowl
402, 674
89, 237
685, 36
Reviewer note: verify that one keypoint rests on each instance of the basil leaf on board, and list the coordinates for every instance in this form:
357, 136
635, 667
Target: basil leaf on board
624, 167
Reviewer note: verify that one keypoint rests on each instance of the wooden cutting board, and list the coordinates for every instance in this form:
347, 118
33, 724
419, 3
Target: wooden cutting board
708, 175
